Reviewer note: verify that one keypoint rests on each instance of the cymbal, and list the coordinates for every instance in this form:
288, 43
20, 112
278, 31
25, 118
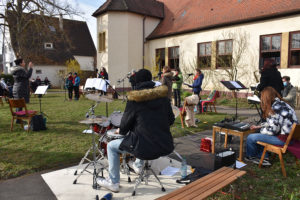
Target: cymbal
96, 97
176, 111
93, 120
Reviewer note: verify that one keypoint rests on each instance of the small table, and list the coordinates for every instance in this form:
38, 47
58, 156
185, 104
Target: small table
227, 131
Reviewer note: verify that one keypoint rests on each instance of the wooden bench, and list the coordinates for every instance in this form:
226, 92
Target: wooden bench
206, 185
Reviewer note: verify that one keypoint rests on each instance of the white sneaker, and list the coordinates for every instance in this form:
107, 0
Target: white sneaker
106, 183
136, 169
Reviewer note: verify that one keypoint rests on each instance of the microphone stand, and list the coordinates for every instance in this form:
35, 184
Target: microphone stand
123, 86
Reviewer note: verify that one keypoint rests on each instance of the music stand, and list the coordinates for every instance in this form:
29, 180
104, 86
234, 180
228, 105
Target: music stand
40, 91
234, 85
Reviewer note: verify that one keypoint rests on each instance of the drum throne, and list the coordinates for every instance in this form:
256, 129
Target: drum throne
145, 173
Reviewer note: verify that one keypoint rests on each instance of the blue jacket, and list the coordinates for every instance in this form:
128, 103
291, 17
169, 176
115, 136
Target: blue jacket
77, 81
197, 84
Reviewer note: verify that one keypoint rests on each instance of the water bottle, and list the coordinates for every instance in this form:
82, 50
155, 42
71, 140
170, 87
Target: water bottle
183, 168
108, 196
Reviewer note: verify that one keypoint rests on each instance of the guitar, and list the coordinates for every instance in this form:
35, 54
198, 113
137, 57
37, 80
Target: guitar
187, 84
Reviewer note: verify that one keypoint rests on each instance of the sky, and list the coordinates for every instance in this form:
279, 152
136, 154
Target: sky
88, 7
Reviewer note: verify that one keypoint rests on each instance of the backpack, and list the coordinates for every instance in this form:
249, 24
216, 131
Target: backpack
38, 123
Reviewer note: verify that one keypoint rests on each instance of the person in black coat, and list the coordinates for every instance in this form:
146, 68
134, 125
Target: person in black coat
21, 79
145, 125
270, 76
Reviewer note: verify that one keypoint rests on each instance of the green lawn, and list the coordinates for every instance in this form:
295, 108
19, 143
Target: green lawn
63, 144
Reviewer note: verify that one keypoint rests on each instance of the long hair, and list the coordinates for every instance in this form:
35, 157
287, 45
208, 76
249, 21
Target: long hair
267, 98
269, 63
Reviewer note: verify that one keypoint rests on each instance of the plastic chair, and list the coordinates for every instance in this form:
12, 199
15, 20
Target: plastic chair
21, 115
294, 148
210, 100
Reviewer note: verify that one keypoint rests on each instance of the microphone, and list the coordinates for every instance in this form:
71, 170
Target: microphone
190, 74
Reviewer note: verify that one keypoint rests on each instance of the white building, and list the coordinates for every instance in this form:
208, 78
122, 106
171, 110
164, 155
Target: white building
199, 33
59, 41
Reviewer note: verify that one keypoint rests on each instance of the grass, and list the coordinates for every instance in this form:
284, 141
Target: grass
265, 183
62, 144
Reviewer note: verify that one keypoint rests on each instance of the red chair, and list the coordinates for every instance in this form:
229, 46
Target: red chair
210, 101
21, 115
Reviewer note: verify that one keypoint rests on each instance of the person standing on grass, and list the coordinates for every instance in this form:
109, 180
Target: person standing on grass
270, 76
21, 79
167, 80
76, 84
176, 86
280, 118
69, 85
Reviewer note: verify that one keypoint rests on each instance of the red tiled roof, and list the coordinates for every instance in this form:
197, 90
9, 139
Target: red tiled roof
150, 8
182, 16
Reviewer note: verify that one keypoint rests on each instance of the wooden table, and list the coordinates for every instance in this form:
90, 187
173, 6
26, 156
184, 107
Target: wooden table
241, 134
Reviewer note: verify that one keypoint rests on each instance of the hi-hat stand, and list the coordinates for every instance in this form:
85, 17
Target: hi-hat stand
91, 121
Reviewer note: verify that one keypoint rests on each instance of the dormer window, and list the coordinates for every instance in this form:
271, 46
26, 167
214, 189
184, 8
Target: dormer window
48, 45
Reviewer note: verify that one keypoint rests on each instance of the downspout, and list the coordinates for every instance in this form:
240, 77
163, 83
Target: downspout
144, 19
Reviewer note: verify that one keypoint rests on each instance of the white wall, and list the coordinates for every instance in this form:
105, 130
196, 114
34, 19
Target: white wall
124, 37
49, 71
188, 47
86, 62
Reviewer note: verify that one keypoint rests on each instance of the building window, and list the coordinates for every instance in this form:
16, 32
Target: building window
174, 57
270, 47
160, 58
224, 50
294, 49
204, 55
38, 71
48, 45
102, 42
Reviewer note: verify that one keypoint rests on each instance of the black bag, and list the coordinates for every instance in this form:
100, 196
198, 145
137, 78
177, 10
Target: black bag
38, 123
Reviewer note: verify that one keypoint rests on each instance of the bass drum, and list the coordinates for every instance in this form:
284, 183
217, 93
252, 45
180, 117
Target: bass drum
115, 118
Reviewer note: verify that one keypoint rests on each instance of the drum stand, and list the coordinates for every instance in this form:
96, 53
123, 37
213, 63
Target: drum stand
95, 160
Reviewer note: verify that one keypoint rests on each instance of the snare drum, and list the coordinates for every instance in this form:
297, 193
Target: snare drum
115, 118
111, 135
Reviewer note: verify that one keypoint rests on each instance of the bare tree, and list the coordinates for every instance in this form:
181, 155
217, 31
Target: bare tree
233, 64
23, 12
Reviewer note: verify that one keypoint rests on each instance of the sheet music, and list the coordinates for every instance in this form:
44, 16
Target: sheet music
89, 83
236, 85
97, 83
41, 89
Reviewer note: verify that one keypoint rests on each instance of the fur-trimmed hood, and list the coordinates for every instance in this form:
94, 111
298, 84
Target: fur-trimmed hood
148, 94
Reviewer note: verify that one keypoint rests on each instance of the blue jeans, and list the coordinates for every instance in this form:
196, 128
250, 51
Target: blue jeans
254, 149
113, 154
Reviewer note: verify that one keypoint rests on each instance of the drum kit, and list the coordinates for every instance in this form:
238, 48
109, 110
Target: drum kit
106, 128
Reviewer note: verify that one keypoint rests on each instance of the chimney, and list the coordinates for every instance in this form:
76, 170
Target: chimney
61, 23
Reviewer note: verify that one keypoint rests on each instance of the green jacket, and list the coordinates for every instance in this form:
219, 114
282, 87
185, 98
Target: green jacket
177, 84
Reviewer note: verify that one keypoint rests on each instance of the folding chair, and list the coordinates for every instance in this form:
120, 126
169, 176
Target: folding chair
21, 115
293, 136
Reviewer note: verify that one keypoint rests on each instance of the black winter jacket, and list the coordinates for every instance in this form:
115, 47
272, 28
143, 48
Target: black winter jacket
271, 77
21, 82
146, 123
